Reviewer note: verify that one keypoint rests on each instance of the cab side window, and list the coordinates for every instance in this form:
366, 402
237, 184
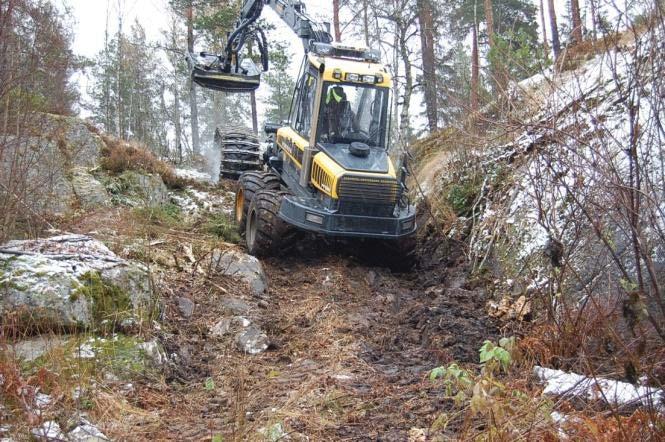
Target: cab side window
305, 105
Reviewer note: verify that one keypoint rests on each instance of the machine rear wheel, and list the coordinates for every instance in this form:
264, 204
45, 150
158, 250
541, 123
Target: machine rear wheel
249, 184
265, 231
239, 151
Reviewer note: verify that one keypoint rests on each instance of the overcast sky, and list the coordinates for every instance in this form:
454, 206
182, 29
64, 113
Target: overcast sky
90, 17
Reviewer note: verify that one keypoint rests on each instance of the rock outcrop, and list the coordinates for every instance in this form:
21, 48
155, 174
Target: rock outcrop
70, 281
45, 163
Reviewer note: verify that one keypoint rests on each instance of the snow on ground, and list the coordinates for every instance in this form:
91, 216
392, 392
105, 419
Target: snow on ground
192, 174
615, 393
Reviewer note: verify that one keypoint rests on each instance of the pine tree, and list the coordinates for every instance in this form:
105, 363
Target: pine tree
280, 82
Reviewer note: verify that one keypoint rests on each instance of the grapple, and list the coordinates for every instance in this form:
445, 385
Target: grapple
209, 72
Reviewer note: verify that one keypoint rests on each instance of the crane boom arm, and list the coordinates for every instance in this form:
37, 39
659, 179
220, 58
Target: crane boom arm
227, 72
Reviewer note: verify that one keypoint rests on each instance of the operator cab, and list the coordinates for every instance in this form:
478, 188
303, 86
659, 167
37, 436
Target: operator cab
341, 109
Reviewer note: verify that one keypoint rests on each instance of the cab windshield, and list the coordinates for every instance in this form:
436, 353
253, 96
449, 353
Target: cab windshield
353, 113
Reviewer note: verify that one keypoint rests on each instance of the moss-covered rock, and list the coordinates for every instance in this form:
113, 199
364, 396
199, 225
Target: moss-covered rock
70, 282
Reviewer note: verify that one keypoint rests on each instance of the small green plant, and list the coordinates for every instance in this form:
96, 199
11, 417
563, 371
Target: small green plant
497, 356
457, 381
209, 384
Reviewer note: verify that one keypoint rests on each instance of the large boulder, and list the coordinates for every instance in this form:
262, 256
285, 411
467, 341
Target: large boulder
242, 266
90, 192
70, 281
36, 167
139, 189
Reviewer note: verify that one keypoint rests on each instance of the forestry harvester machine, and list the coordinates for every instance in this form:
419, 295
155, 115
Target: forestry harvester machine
327, 168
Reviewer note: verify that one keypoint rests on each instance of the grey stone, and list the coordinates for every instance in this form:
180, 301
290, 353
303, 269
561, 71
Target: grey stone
86, 432
237, 306
42, 279
252, 340
149, 189
242, 266
221, 328
371, 278
49, 431
30, 349
224, 326
186, 307
154, 351
90, 192
46, 161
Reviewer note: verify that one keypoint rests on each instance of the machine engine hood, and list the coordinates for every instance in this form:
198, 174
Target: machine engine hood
377, 161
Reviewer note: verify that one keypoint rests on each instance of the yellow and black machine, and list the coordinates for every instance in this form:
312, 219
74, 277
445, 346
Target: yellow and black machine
327, 168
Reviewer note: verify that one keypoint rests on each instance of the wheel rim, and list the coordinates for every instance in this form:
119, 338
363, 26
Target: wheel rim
240, 205
250, 233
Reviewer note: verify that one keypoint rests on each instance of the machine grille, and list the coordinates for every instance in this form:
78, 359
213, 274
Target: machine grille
321, 178
354, 191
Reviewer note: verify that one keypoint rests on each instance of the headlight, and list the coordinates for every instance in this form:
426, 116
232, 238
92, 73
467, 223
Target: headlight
369, 79
352, 77
337, 74
407, 225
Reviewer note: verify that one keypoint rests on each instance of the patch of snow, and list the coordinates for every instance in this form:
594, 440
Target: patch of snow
85, 351
50, 431
42, 401
560, 383
86, 432
192, 174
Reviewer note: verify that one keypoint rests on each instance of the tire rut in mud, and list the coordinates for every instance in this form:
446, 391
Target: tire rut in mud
351, 348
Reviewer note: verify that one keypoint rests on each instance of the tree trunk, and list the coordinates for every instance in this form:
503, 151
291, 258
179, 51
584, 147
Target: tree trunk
366, 22
546, 47
475, 76
176, 117
577, 21
594, 19
193, 106
405, 123
426, 22
338, 33
255, 117
107, 77
118, 65
396, 83
489, 20
556, 45
497, 68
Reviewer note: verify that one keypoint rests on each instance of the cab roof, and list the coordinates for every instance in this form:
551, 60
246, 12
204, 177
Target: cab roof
344, 66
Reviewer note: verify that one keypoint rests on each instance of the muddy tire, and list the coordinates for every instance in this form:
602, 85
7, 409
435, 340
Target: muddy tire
265, 232
248, 185
239, 151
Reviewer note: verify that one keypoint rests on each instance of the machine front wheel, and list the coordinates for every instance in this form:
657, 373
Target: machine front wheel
249, 184
265, 231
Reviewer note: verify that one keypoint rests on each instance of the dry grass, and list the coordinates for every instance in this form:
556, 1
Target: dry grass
119, 156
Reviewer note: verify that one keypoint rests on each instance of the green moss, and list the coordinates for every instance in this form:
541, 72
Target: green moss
119, 354
223, 226
110, 304
166, 214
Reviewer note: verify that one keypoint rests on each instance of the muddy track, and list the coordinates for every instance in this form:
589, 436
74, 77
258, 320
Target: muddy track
351, 346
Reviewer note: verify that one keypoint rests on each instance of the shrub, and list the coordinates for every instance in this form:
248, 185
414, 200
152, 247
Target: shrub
120, 156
